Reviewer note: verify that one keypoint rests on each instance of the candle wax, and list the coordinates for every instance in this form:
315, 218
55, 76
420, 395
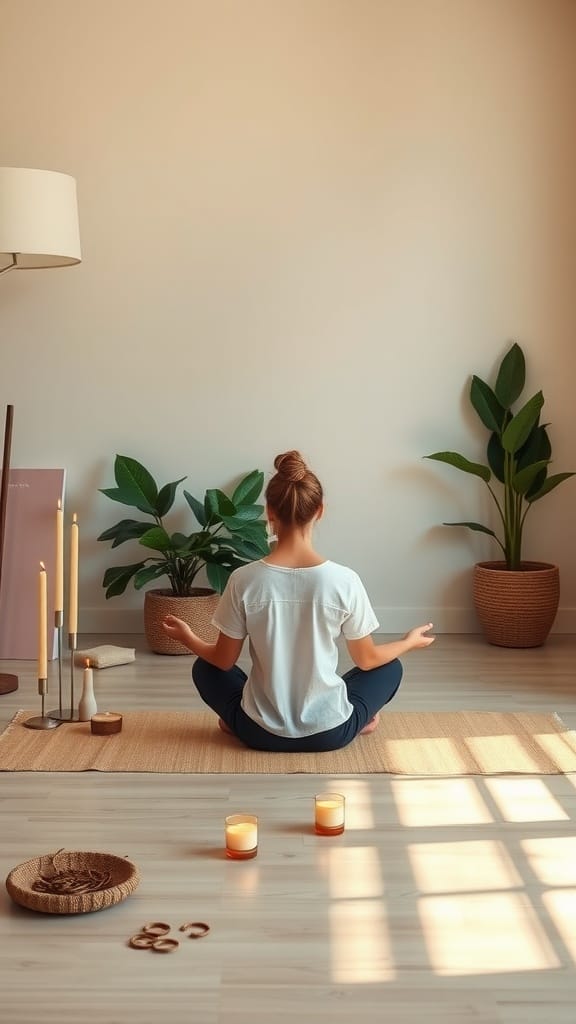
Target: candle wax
243, 836
329, 813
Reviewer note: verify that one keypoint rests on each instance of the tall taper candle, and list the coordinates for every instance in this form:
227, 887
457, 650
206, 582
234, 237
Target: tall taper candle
59, 575
42, 624
73, 594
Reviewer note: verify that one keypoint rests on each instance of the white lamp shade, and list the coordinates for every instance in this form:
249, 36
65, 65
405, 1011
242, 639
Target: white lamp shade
38, 218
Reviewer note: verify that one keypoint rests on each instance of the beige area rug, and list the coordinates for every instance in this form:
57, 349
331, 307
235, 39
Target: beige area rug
405, 743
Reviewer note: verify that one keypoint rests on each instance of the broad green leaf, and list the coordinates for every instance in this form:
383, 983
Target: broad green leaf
223, 504
150, 572
210, 505
117, 578
518, 430
126, 529
487, 405
156, 538
537, 448
254, 530
495, 456
246, 548
474, 526
536, 486
249, 489
197, 508
459, 462
245, 514
523, 480
166, 497
549, 484
218, 576
136, 484
511, 377
193, 544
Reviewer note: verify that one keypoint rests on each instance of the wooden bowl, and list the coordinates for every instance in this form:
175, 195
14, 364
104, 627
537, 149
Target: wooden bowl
124, 878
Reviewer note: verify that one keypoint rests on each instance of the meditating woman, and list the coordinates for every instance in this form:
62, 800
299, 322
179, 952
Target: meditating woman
293, 605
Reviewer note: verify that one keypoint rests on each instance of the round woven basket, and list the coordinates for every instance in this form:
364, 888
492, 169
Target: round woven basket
197, 610
124, 880
516, 608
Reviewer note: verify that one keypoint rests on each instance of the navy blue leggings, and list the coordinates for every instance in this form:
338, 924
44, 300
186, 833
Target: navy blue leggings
367, 692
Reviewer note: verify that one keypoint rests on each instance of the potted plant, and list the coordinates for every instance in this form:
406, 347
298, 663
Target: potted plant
516, 600
232, 532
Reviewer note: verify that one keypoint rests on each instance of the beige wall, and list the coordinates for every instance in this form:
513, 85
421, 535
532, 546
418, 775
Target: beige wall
304, 224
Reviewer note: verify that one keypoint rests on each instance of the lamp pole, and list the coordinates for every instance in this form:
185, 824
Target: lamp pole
8, 681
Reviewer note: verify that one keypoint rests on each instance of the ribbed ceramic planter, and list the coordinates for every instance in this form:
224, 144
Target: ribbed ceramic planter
196, 610
516, 608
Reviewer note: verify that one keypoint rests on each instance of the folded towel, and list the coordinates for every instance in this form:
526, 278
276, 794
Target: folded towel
105, 656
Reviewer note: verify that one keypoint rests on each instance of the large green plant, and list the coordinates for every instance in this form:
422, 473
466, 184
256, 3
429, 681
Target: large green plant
518, 453
232, 531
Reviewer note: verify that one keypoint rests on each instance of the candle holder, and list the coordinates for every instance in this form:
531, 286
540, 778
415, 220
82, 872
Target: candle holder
68, 714
241, 831
59, 714
43, 721
329, 814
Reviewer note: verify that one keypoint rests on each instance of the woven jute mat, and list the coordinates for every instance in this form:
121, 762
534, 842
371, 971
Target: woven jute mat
405, 743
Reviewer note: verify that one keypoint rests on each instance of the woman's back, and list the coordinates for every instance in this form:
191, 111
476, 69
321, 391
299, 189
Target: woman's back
293, 617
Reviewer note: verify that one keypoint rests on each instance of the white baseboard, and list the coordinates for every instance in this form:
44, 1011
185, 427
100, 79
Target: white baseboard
392, 620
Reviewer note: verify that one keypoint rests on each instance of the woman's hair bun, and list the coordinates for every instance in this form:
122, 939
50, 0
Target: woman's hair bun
291, 466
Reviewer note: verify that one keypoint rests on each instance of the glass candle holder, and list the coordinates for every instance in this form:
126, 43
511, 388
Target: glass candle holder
241, 832
329, 814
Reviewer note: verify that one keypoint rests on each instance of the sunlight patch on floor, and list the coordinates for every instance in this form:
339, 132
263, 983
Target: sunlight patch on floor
354, 873
359, 813
445, 753
484, 934
552, 859
561, 906
360, 943
468, 866
525, 800
487, 751
429, 802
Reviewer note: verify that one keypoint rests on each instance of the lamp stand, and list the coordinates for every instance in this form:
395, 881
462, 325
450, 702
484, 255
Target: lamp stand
8, 681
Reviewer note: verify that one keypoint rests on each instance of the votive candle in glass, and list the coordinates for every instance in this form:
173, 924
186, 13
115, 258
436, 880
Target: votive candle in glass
329, 814
241, 836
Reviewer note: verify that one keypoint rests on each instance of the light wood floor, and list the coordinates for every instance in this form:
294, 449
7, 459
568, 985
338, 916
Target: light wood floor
446, 900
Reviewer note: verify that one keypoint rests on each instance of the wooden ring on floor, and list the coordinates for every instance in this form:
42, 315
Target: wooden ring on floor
141, 941
156, 928
202, 929
165, 945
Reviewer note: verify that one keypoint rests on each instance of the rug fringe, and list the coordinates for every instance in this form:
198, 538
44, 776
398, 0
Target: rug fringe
15, 720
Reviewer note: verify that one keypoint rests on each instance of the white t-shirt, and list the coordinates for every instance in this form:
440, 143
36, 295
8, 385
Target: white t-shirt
293, 618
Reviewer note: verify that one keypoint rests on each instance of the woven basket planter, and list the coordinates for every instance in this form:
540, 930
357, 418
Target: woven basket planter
516, 608
196, 610
123, 880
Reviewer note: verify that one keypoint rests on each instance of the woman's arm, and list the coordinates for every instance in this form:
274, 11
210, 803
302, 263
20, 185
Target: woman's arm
223, 654
366, 654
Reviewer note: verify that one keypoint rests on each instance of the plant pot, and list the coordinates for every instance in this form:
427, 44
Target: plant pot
197, 610
516, 608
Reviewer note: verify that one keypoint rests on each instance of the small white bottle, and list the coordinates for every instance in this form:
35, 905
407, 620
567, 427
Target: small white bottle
87, 706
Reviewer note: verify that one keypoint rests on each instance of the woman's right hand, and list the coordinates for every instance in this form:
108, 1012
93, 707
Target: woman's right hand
417, 638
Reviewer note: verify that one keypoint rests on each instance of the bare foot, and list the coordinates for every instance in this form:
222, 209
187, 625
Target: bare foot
224, 727
370, 726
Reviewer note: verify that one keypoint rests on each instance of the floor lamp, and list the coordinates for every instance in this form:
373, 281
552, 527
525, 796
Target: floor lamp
38, 229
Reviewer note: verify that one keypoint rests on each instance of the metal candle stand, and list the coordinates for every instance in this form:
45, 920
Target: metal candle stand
43, 721
65, 714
